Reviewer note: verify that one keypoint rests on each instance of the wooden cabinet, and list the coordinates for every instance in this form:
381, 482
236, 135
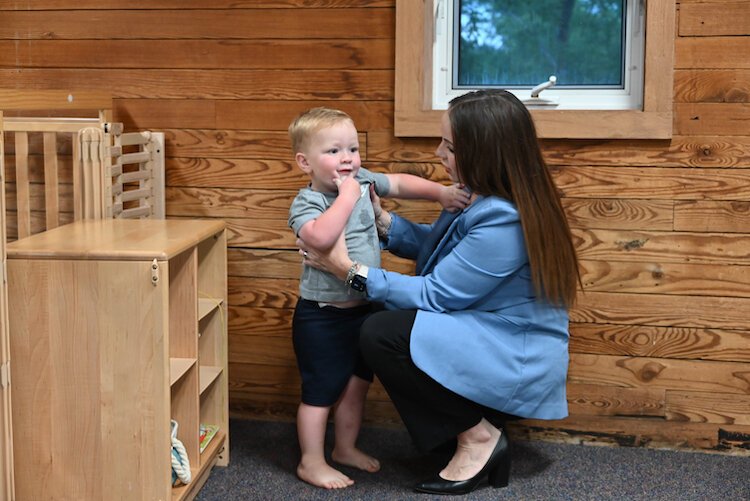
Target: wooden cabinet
117, 327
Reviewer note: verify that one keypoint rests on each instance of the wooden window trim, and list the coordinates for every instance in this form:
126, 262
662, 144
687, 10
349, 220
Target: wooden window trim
415, 118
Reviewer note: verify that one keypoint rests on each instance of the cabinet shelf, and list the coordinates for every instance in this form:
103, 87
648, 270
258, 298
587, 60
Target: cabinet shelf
207, 305
178, 367
209, 374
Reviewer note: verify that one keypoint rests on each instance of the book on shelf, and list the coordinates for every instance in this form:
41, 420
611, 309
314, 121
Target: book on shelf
207, 432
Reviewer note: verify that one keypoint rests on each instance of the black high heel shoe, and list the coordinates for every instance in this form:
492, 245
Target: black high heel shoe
497, 471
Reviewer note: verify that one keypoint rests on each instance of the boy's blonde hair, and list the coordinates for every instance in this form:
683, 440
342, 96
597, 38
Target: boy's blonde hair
311, 121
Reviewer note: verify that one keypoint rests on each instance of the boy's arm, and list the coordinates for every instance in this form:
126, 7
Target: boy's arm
409, 186
323, 231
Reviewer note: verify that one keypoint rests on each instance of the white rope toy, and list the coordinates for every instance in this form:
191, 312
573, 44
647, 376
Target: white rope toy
181, 466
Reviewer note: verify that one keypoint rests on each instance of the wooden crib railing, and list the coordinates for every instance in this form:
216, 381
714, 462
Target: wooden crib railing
82, 167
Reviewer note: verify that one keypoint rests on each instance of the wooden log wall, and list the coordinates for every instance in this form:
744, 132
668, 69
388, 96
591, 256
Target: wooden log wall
660, 346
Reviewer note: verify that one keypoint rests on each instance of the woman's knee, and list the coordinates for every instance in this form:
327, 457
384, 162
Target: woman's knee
386, 331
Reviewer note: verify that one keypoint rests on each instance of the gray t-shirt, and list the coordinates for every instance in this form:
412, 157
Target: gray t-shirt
361, 236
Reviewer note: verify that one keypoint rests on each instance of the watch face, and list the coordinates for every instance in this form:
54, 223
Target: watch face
359, 283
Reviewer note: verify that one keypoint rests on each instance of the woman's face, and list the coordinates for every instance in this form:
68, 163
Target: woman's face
445, 149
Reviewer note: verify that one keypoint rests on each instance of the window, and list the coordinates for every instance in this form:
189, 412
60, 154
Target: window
643, 98
591, 51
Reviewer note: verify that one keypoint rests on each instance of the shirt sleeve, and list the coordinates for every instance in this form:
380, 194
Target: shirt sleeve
307, 205
381, 182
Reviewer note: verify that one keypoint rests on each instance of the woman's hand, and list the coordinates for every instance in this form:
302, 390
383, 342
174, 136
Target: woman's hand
334, 260
382, 217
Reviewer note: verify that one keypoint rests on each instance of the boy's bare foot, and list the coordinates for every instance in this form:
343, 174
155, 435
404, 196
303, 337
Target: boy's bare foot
320, 474
357, 459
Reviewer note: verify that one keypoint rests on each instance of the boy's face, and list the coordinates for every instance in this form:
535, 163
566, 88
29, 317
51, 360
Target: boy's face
330, 152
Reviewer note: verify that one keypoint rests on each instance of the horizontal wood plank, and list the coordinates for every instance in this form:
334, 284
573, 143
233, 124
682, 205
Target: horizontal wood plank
644, 277
660, 373
707, 215
196, 4
653, 183
194, 23
731, 17
707, 407
728, 119
712, 52
221, 115
636, 431
205, 84
661, 247
603, 400
265, 292
660, 342
712, 86
704, 312
327, 54
619, 214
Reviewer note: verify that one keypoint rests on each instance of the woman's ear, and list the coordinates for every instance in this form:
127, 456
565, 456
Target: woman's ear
302, 162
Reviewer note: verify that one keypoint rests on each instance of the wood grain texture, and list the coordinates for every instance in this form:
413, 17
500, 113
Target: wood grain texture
707, 407
602, 400
638, 432
730, 17
619, 214
372, 85
729, 119
707, 215
675, 247
653, 182
712, 52
199, 23
330, 54
196, 4
660, 342
660, 373
705, 312
644, 277
712, 86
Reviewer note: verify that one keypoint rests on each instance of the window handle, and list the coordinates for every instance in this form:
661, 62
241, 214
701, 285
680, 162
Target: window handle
544, 85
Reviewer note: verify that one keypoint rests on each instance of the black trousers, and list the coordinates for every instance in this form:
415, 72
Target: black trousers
433, 414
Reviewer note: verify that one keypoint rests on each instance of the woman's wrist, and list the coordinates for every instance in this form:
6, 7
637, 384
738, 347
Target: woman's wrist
342, 270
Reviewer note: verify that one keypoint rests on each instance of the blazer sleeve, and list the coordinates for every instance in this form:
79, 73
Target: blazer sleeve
492, 248
405, 237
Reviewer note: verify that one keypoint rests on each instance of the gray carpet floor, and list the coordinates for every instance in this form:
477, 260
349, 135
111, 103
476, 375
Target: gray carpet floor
264, 455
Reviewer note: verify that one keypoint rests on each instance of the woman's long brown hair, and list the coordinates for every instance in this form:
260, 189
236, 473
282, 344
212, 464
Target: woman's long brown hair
498, 153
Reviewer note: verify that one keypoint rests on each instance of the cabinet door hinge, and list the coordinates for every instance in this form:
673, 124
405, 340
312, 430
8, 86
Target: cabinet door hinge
154, 272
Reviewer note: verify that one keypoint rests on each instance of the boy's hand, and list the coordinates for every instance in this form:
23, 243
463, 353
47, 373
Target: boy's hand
348, 186
454, 197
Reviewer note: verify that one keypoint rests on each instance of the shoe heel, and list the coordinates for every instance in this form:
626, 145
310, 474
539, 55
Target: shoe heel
500, 474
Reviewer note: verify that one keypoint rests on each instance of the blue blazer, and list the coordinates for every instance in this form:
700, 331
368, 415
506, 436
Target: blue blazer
480, 329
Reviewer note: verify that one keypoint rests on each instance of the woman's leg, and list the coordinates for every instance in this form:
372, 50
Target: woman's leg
432, 413
347, 421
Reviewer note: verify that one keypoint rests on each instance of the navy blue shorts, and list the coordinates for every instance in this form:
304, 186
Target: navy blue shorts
326, 343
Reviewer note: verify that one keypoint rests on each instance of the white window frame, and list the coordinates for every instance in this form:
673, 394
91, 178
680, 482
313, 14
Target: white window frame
414, 115
628, 98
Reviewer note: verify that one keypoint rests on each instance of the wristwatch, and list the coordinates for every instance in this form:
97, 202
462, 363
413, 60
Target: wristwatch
356, 278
